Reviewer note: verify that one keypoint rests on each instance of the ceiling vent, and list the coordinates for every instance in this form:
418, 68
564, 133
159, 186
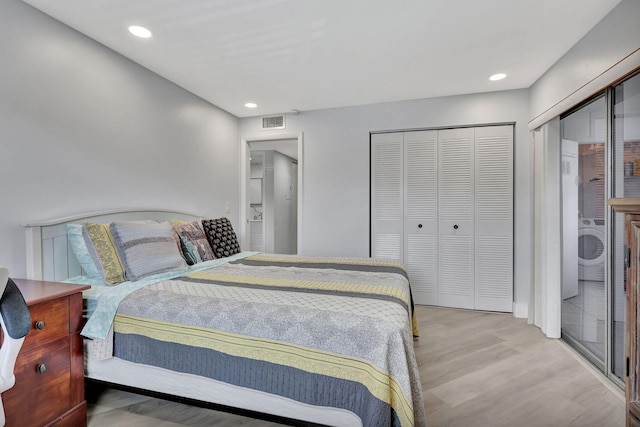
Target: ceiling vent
273, 122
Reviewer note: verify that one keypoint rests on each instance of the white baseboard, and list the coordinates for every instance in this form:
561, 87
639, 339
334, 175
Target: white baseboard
521, 310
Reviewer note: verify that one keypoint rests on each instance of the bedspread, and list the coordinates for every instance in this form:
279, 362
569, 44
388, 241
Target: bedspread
323, 331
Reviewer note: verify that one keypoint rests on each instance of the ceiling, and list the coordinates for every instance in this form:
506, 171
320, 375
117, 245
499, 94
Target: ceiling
312, 54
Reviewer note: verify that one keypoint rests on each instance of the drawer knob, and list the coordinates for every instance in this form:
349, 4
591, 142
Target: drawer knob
42, 368
39, 325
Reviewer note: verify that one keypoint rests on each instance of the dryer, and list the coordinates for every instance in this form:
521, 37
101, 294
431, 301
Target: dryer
591, 249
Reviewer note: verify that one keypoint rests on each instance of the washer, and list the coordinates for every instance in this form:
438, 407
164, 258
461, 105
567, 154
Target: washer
591, 246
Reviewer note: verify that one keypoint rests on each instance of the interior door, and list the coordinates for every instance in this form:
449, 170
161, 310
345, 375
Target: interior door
420, 214
455, 222
387, 171
493, 216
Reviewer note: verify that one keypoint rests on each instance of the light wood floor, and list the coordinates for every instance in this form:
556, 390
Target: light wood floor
477, 369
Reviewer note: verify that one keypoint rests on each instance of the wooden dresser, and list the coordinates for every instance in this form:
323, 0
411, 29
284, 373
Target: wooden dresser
49, 389
631, 208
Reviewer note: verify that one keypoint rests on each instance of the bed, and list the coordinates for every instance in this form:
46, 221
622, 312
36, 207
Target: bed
318, 340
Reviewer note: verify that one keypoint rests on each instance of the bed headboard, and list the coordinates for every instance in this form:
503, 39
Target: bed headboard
49, 255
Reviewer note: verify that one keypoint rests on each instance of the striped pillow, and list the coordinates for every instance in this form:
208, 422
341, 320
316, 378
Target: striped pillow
146, 248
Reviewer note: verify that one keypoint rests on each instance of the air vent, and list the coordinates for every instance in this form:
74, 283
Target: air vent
273, 122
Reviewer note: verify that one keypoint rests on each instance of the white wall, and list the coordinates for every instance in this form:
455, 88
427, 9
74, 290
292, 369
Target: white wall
609, 51
84, 129
336, 166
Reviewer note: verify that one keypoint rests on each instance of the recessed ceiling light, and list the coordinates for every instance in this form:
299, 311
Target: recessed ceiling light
498, 76
251, 105
138, 31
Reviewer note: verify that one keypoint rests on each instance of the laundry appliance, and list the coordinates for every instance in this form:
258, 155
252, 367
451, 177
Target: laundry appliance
591, 249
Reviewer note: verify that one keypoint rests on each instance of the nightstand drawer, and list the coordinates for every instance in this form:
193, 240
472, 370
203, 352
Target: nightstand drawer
43, 382
49, 321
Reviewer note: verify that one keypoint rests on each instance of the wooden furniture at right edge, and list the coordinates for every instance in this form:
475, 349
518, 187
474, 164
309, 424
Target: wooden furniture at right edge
631, 208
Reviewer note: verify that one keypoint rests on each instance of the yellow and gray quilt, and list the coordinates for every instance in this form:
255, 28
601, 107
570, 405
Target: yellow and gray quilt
323, 331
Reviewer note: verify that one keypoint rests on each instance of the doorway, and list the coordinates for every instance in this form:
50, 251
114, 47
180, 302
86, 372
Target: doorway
271, 193
273, 224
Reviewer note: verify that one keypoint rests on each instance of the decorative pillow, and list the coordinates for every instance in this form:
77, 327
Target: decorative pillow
189, 251
104, 253
222, 238
193, 233
80, 250
146, 248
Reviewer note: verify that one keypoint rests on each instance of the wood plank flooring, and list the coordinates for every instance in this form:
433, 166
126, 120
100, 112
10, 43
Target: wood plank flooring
477, 369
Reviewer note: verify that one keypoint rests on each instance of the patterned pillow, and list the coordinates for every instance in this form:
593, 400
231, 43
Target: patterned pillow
104, 253
189, 251
222, 238
146, 248
193, 233
80, 250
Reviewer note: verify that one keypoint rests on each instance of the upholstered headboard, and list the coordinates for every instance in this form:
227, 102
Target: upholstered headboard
49, 255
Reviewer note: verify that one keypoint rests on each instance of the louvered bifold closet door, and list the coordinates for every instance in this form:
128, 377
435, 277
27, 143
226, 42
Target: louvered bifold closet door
387, 172
494, 218
420, 214
455, 222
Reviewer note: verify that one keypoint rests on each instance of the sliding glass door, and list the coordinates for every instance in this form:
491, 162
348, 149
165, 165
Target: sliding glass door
600, 159
583, 196
625, 100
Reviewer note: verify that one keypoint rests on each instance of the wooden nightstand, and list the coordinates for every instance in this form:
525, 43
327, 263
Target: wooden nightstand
49, 388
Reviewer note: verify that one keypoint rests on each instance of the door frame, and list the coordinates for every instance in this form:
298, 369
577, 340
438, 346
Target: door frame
245, 169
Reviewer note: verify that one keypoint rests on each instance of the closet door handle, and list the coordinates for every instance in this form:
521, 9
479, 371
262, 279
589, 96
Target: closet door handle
419, 225
455, 227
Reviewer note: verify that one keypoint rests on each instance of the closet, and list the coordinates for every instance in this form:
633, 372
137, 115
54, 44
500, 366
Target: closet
442, 202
